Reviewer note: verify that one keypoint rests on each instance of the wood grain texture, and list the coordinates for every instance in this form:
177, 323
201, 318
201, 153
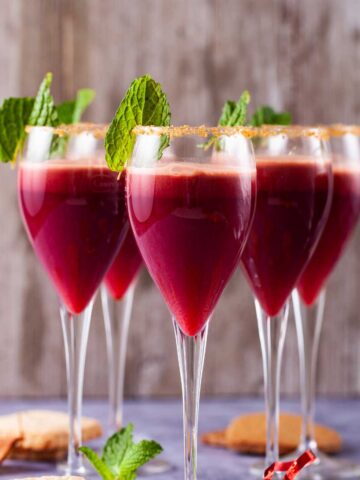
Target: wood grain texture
302, 56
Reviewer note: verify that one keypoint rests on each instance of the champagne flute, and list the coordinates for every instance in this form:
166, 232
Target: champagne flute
294, 192
191, 213
73, 208
309, 297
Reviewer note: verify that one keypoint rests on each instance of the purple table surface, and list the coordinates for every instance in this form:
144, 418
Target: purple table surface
161, 420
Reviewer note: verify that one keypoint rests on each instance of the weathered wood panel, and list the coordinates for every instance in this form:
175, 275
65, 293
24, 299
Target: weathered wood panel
303, 56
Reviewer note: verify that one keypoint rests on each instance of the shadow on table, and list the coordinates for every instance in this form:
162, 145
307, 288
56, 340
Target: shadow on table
17, 468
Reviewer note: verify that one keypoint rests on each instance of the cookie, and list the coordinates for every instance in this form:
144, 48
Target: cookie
44, 433
56, 455
248, 434
6, 445
217, 439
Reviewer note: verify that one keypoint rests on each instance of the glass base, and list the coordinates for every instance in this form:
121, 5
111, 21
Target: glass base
325, 468
257, 469
84, 471
328, 468
157, 466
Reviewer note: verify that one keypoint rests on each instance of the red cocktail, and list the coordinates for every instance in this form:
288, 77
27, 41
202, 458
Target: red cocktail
344, 214
294, 184
291, 198
76, 218
309, 296
124, 268
75, 215
191, 213
190, 224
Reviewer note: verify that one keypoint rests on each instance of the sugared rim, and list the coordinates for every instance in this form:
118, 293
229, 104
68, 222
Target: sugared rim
173, 131
292, 131
247, 131
338, 130
98, 130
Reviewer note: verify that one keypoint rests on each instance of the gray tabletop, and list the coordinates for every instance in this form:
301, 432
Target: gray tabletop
161, 420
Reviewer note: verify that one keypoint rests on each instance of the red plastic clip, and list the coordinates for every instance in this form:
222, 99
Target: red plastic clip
292, 468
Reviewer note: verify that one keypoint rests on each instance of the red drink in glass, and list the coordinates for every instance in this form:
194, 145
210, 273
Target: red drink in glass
76, 218
124, 268
344, 213
291, 199
190, 222
310, 293
191, 210
74, 212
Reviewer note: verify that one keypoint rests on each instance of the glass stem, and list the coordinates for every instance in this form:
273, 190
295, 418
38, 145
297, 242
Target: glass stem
75, 330
116, 331
272, 330
191, 353
308, 322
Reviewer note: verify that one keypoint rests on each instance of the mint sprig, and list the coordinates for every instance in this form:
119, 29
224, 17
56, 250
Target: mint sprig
98, 464
121, 457
16, 113
227, 110
144, 103
44, 112
266, 115
14, 116
232, 115
71, 111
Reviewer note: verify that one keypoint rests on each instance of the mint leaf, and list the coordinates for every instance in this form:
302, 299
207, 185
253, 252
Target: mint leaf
129, 476
226, 113
65, 112
71, 111
238, 115
137, 455
122, 457
268, 116
212, 142
16, 113
144, 103
44, 111
116, 447
14, 116
99, 465
84, 98
234, 113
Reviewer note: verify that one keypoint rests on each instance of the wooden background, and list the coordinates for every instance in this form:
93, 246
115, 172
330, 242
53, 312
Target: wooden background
300, 55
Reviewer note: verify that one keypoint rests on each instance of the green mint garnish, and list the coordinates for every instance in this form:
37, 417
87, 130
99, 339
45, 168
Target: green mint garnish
116, 447
144, 103
44, 112
227, 110
98, 464
16, 113
121, 457
268, 116
233, 114
14, 116
72, 110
